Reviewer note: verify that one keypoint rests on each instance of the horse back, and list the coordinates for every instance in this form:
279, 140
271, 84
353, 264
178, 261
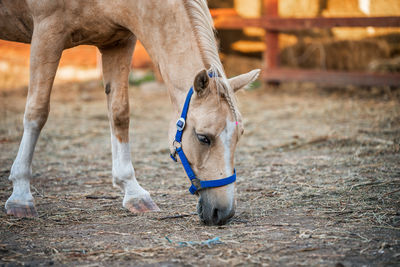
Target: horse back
83, 22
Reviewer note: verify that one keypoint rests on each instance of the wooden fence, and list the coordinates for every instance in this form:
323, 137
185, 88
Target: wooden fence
273, 24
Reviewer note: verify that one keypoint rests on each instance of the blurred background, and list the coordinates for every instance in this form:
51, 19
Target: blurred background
344, 48
355, 49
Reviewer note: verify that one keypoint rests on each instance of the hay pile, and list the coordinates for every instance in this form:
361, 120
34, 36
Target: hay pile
342, 8
220, 3
304, 8
236, 64
334, 55
384, 8
346, 49
352, 8
385, 65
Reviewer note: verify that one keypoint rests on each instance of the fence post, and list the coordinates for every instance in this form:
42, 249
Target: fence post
271, 54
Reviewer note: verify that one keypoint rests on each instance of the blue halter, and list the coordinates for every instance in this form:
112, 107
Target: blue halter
197, 184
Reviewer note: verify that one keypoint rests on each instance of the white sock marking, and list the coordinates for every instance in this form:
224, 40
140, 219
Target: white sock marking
21, 170
123, 171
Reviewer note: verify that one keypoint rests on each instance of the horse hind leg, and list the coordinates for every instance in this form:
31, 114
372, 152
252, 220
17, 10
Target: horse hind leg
116, 62
44, 60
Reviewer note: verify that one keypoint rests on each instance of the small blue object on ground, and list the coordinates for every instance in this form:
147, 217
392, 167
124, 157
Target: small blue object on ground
208, 243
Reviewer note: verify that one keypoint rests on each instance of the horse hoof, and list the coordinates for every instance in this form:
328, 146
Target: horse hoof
141, 205
21, 210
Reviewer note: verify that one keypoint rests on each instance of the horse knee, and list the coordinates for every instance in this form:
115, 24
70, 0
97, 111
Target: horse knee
120, 121
36, 116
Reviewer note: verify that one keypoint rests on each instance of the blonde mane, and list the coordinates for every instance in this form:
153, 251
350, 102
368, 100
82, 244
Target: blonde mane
203, 27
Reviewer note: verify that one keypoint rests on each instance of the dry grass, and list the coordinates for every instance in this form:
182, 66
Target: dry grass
318, 184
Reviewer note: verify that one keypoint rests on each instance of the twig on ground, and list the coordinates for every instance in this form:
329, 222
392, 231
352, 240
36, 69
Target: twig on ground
177, 216
389, 193
293, 146
100, 197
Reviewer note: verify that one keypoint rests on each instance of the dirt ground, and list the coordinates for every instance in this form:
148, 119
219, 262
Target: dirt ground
318, 183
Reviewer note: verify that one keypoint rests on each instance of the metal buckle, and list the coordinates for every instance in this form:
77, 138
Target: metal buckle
176, 145
180, 124
196, 183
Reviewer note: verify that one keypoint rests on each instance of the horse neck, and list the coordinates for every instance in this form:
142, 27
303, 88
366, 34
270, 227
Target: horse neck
167, 35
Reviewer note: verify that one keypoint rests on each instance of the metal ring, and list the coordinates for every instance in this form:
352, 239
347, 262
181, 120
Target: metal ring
196, 183
176, 144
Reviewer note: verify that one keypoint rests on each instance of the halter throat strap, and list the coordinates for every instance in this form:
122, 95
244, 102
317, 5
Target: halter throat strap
196, 183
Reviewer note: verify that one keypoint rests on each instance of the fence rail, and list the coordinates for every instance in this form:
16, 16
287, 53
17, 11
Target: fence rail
273, 24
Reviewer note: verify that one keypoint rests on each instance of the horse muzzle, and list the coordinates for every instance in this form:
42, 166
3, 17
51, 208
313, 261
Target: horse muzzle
212, 212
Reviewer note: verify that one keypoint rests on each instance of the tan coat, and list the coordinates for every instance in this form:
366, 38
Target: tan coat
179, 37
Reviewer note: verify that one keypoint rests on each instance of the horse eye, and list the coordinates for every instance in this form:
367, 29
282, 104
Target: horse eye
203, 139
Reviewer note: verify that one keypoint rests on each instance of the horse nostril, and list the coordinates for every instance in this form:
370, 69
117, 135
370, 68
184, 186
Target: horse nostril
215, 216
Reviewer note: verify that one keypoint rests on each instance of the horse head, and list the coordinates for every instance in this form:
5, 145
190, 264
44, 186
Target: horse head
212, 128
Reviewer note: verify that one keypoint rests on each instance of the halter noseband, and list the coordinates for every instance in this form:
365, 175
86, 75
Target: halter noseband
197, 184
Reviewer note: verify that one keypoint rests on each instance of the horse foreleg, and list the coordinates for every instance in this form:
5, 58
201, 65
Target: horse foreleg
46, 50
116, 66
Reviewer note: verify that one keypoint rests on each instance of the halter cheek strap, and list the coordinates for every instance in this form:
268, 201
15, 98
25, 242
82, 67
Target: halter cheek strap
197, 184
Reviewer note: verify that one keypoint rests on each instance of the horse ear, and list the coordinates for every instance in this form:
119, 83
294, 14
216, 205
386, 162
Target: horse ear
241, 81
201, 82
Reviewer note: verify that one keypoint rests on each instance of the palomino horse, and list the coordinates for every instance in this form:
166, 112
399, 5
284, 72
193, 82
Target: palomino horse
179, 36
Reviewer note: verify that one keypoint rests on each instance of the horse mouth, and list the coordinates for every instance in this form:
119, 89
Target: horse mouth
213, 216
